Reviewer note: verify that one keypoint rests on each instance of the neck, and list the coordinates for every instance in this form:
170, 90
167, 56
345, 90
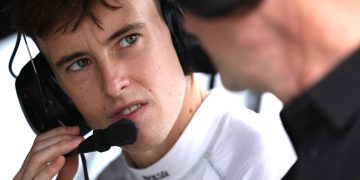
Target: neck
193, 98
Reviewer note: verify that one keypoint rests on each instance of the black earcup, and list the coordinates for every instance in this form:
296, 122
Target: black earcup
43, 103
192, 57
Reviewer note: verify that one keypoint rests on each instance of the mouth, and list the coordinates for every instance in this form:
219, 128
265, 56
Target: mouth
129, 111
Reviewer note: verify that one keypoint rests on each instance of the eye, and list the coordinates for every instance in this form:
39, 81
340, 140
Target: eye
79, 64
128, 41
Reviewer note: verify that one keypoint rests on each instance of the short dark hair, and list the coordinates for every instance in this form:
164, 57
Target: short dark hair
36, 18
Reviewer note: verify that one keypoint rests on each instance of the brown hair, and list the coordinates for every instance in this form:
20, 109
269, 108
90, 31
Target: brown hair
36, 18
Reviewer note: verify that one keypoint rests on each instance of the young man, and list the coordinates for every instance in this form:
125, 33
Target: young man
307, 54
116, 59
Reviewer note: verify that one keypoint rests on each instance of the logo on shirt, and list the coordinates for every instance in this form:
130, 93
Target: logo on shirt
159, 175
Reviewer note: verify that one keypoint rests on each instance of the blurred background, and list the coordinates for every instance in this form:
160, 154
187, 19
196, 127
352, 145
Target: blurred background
17, 136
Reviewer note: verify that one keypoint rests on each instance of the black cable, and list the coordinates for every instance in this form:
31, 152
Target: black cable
212, 81
254, 101
83, 160
37, 77
13, 55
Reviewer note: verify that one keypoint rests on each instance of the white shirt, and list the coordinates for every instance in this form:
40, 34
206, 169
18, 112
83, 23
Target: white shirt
222, 141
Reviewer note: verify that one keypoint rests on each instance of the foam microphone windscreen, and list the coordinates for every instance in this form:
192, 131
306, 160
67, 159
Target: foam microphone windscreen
120, 133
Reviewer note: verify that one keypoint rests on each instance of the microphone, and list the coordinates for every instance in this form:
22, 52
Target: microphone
120, 133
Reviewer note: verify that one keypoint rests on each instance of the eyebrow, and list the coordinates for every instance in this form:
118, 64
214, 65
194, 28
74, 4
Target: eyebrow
67, 58
123, 30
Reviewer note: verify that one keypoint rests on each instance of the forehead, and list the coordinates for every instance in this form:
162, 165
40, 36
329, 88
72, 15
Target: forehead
75, 14
104, 20
125, 12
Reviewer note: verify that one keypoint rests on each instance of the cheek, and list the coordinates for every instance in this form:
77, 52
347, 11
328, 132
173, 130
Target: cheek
88, 107
171, 99
167, 83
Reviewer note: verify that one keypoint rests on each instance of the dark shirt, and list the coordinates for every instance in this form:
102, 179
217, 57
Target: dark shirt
324, 126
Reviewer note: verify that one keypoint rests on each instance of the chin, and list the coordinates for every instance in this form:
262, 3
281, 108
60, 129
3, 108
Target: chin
233, 85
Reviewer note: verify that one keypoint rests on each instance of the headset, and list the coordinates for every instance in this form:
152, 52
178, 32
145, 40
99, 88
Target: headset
46, 106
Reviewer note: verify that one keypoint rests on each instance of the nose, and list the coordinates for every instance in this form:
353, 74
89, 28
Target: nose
115, 78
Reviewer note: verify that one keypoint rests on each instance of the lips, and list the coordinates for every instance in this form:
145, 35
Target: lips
129, 111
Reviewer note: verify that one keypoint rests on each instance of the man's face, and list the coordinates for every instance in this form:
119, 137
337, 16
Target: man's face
247, 49
127, 69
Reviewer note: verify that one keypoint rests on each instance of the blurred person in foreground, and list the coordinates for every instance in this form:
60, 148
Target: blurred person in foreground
307, 54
